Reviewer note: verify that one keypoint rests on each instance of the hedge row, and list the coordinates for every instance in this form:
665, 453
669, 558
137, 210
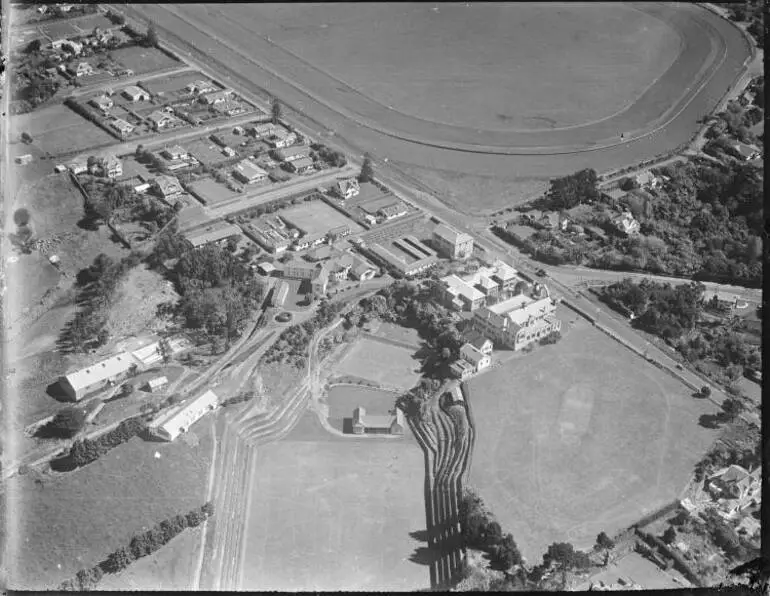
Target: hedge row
87, 451
139, 546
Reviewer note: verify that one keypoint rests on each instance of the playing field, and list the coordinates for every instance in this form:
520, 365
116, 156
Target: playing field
335, 514
58, 130
343, 399
316, 217
212, 191
382, 363
581, 437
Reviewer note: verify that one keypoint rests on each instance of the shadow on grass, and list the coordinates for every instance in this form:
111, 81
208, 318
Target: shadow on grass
347, 424
419, 535
710, 421
424, 555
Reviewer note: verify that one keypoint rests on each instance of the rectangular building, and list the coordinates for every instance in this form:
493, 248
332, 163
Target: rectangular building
408, 256
451, 243
171, 424
280, 292
213, 233
248, 172
518, 321
96, 377
364, 423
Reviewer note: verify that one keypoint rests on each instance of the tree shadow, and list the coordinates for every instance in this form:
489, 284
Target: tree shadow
424, 555
419, 535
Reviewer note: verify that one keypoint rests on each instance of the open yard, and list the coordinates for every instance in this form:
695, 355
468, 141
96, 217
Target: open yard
581, 437
316, 217
212, 192
65, 522
143, 60
382, 363
58, 130
175, 83
336, 514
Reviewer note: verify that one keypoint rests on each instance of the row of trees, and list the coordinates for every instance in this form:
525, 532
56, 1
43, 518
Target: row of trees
331, 156
573, 190
481, 530
89, 450
140, 546
65, 424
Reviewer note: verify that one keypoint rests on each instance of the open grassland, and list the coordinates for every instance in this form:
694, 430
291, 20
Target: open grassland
143, 60
335, 514
65, 522
581, 437
382, 363
343, 399
58, 130
433, 63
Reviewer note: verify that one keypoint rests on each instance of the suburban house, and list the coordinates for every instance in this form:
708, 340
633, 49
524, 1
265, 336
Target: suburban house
613, 195
347, 188
228, 108
461, 369
281, 138
746, 152
626, 224
58, 44
736, 489
478, 341
82, 69
174, 152
160, 120
261, 130
122, 127
167, 186
266, 268
134, 94
478, 359
364, 423
280, 292
178, 420
518, 321
109, 167
451, 243
155, 384
297, 269
392, 211
267, 237
302, 165
470, 292
647, 179
200, 87
77, 167
293, 153
98, 376
102, 103
216, 97
248, 172
362, 271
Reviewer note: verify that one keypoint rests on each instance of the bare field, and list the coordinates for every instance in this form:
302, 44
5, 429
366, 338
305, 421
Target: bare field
316, 217
144, 60
581, 437
380, 362
336, 514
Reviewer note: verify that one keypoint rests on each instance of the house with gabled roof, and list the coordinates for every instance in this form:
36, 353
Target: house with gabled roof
178, 420
347, 188
160, 120
134, 93
97, 376
452, 243
478, 359
461, 369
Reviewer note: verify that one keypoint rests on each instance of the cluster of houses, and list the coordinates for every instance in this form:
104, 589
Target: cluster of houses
276, 234
475, 356
319, 267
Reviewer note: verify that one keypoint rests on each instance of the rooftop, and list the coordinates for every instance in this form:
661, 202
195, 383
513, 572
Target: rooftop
100, 371
450, 234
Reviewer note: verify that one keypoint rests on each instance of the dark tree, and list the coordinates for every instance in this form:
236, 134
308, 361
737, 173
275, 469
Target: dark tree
119, 560
604, 541
276, 111
33, 47
151, 39
367, 170
21, 217
669, 535
67, 423
705, 391
562, 553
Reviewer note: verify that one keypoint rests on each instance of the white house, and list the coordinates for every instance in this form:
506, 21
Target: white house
154, 384
478, 359
134, 93
173, 423
98, 376
348, 188
364, 423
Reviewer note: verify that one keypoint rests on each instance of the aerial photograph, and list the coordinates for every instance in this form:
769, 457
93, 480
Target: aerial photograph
382, 297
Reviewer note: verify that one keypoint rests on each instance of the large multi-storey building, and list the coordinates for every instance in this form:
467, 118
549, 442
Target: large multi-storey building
518, 321
472, 291
451, 243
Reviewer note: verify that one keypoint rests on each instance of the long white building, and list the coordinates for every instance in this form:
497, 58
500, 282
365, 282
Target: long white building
173, 423
98, 376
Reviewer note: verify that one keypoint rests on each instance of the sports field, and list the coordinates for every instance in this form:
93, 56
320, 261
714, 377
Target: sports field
316, 217
143, 60
581, 437
343, 399
58, 130
382, 363
333, 514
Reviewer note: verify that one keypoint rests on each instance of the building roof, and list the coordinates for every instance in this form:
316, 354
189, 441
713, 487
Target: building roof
346, 184
100, 371
451, 235
732, 473
187, 413
175, 150
476, 339
133, 90
394, 209
472, 353
288, 152
459, 287
168, 185
250, 170
745, 150
157, 117
302, 162
212, 233
157, 382
323, 252
460, 366
377, 421
266, 267
614, 193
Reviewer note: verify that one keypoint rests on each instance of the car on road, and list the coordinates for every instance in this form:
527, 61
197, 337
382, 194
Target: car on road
541, 273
